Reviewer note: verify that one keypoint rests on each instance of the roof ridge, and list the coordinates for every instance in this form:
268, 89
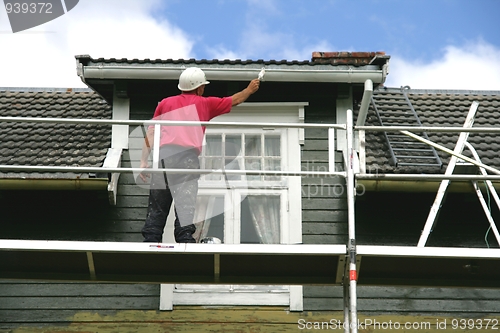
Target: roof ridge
41, 89
321, 61
442, 91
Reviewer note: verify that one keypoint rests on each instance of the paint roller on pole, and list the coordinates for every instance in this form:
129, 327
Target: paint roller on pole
261, 74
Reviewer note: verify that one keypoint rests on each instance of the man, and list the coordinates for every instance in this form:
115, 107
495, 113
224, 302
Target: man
180, 147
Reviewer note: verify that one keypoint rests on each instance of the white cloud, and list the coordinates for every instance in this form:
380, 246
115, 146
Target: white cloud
45, 56
258, 41
221, 52
474, 66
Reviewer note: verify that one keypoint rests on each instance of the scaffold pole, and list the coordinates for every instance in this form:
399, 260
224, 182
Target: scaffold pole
351, 247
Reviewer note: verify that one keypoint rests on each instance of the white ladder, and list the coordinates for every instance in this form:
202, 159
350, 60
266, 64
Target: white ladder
461, 143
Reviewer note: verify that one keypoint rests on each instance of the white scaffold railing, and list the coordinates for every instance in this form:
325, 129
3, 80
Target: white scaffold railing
157, 123
349, 282
350, 273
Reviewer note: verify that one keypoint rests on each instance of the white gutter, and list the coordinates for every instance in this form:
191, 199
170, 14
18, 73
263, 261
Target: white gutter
54, 184
79, 72
365, 103
346, 75
360, 135
113, 160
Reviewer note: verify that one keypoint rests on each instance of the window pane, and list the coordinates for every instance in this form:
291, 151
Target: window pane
209, 217
233, 164
248, 232
253, 164
272, 164
214, 145
252, 145
233, 145
272, 146
214, 164
260, 219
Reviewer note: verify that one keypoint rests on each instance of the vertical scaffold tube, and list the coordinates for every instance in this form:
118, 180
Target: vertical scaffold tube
352, 237
346, 304
156, 147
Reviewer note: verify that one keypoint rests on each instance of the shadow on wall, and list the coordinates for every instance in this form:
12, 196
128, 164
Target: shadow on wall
57, 215
387, 218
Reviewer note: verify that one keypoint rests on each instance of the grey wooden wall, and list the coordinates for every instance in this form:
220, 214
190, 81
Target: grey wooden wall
76, 216
73, 216
416, 301
324, 204
37, 304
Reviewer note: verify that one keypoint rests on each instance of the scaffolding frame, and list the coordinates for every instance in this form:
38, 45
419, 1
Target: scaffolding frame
347, 256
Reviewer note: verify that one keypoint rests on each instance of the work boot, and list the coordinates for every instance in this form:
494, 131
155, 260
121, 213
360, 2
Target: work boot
211, 240
185, 234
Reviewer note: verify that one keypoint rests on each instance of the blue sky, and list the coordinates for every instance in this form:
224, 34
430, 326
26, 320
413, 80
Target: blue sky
433, 44
415, 29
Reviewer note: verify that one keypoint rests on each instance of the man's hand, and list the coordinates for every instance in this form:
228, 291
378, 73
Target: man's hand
253, 86
144, 175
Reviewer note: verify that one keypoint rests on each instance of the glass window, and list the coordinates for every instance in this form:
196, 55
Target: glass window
209, 217
260, 219
260, 151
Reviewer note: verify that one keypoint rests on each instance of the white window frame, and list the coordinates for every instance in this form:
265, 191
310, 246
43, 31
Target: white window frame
290, 229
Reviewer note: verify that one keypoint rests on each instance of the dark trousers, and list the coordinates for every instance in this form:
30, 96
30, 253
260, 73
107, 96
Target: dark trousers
165, 188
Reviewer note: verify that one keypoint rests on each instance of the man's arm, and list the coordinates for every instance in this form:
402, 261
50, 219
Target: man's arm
243, 95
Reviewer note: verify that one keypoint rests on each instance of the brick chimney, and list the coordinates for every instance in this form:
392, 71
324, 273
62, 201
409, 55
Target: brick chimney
347, 58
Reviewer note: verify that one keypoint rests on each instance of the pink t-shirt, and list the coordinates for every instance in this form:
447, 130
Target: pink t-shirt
189, 107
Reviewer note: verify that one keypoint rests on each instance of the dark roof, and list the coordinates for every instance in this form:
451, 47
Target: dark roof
50, 144
437, 108
104, 74
318, 58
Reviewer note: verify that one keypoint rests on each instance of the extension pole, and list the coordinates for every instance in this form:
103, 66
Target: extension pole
351, 247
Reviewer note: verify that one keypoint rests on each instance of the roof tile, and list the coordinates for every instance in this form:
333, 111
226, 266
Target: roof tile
51, 144
438, 108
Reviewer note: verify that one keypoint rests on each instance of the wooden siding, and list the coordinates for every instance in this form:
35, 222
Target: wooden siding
415, 301
74, 216
56, 303
324, 205
246, 320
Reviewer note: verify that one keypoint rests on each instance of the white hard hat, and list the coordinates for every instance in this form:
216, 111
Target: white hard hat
191, 78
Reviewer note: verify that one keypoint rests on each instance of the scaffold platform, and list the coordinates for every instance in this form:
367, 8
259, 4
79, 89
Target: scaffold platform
172, 263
